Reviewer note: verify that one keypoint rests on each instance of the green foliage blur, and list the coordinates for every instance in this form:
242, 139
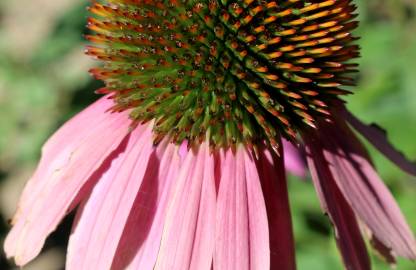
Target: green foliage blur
44, 81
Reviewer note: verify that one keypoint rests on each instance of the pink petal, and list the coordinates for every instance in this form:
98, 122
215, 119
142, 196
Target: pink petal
242, 233
273, 180
61, 175
364, 190
60, 144
378, 137
102, 218
189, 230
294, 160
140, 242
347, 232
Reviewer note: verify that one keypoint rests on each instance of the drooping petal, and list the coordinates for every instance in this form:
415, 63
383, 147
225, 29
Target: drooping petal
364, 190
242, 233
189, 230
378, 137
69, 159
347, 231
294, 160
381, 249
60, 145
101, 220
140, 242
273, 179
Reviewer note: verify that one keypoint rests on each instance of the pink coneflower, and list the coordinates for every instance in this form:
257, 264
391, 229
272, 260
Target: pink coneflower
181, 164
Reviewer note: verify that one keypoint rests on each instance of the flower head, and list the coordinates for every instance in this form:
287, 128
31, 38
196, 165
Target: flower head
241, 71
181, 164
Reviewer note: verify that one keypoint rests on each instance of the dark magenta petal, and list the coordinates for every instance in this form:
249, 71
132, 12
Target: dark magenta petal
347, 232
378, 137
273, 181
366, 193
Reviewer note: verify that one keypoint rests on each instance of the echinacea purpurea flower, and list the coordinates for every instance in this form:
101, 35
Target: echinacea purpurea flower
180, 165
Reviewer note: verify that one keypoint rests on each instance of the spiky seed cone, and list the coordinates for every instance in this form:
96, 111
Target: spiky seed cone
240, 71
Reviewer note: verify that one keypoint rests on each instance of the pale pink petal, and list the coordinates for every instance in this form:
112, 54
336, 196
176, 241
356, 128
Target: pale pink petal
364, 190
347, 231
59, 179
378, 137
183, 149
189, 230
273, 180
102, 218
257, 214
294, 160
242, 233
60, 144
140, 243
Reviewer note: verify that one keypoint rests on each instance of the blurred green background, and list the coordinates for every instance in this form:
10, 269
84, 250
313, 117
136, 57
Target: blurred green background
44, 81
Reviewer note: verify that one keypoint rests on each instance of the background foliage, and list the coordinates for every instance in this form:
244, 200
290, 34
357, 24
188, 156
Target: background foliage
44, 81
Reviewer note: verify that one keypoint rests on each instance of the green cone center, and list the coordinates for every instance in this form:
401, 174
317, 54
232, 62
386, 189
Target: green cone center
237, 71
